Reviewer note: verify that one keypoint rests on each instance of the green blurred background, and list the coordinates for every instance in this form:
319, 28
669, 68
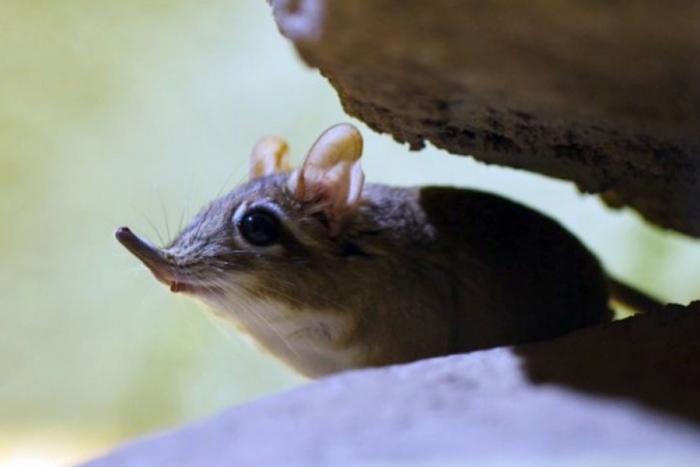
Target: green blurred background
136, 113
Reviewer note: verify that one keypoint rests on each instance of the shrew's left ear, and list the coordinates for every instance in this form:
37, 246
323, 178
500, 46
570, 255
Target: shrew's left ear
331, 174
270, 155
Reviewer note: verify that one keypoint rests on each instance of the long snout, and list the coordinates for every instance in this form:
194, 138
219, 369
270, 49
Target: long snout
149, 254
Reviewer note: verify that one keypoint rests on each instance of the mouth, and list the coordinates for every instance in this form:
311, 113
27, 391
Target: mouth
178, 286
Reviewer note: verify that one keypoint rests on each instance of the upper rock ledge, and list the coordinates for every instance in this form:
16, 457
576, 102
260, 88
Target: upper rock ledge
606, 94
627, 393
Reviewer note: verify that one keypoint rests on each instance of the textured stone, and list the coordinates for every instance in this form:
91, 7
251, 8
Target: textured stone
623, 394
606, 94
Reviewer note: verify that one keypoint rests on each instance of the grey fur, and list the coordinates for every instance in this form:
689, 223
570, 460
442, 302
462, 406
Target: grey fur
413, 273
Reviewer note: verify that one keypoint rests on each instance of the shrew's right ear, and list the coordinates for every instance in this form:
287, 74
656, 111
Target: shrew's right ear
270, 155
331, 175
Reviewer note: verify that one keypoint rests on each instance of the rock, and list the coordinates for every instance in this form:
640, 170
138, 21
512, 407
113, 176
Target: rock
605, 94
628, 392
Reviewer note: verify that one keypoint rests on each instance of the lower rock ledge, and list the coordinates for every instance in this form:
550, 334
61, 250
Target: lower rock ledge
612, 395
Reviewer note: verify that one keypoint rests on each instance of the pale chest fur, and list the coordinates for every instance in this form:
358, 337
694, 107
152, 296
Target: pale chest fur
312, 342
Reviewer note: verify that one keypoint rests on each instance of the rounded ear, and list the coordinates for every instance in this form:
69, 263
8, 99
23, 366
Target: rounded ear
331, 174
270, 155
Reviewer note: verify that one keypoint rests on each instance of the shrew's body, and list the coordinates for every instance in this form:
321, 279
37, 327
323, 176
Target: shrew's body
329, 274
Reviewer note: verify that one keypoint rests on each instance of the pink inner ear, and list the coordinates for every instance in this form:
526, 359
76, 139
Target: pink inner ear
356, 183
270, 155
338, 188
336, 185
331, 174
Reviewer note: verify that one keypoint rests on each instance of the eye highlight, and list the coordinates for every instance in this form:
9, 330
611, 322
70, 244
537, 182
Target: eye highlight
260, 227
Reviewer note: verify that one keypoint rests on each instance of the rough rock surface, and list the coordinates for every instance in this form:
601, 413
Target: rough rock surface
606, 94
627, 393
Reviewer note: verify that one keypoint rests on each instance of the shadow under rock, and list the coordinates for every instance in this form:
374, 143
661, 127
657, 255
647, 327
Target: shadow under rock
652, 359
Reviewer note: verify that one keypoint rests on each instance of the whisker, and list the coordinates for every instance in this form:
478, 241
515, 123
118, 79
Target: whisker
221, 325
279, 286
186, 207
251, 309
227, 294
284, 284
230, 177
214, 274
247, 308
165, 214
150, 222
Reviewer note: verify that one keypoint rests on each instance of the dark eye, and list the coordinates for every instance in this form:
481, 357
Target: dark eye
261, 228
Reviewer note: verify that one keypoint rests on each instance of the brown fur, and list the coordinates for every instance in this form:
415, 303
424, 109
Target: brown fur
403, 274
441, 270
